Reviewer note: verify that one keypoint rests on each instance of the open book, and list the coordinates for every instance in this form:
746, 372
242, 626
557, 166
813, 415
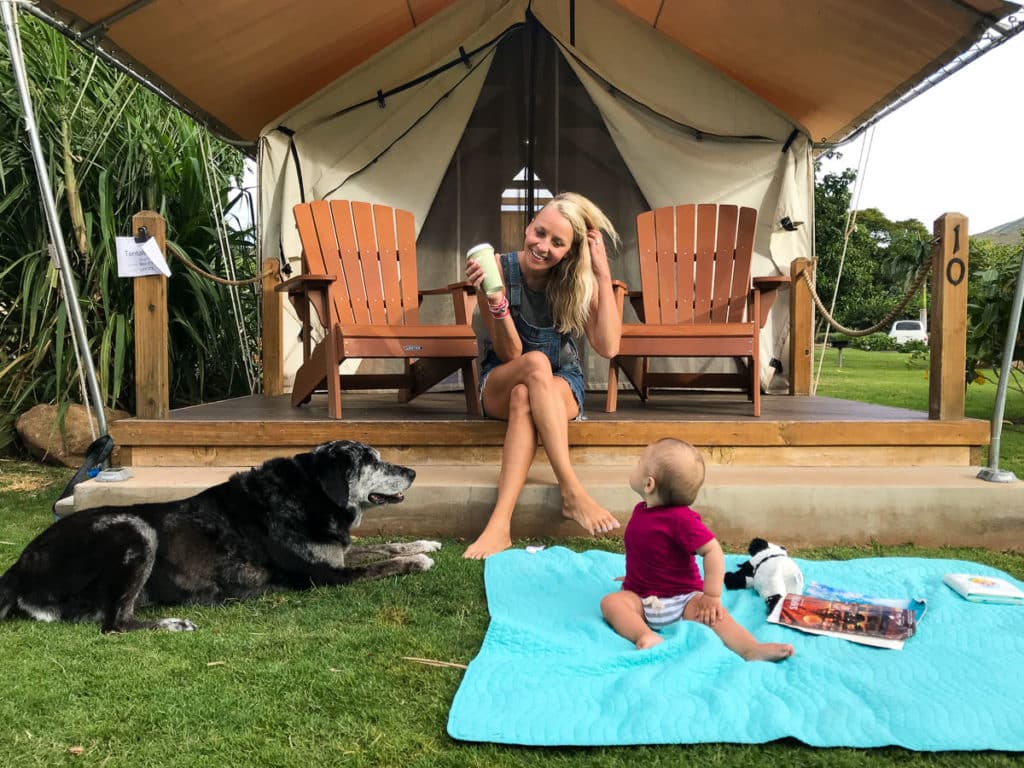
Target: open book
868, 623
984, 589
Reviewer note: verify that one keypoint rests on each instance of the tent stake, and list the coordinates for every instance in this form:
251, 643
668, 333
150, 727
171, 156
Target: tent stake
52, 219
992, 472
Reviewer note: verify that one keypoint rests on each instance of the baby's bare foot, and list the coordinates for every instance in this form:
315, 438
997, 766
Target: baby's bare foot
648, 640
769, 652
590, 515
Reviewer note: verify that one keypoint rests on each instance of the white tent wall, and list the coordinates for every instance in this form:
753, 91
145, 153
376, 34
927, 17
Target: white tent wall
657, 127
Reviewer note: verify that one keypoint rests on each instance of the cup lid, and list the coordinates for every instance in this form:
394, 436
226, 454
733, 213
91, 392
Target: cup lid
479, 247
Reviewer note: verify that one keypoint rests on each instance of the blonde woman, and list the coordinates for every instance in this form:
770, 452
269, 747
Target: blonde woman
557, 287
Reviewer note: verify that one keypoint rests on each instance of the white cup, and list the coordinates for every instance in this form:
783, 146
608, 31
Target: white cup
483, 254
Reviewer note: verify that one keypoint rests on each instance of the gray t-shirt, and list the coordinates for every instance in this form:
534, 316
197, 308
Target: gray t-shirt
535, 309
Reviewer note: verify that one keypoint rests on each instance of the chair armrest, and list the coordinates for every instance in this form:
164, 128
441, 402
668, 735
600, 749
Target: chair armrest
303, 283
463, 299
768, 283
768, 286
636, 298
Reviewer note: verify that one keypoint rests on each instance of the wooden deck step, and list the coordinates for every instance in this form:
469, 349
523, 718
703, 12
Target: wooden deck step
796, 506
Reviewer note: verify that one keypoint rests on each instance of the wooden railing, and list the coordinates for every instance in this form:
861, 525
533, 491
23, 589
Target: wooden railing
947, 336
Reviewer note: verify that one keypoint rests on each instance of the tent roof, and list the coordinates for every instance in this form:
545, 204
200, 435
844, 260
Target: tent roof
828, 65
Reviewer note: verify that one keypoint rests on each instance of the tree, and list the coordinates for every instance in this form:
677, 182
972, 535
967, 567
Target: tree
877, 261
112, 149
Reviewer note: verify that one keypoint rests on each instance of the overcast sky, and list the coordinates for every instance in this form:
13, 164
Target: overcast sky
957, 147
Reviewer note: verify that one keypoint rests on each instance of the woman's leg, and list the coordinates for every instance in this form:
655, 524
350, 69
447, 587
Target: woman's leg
624, 611
516, 456
549, 404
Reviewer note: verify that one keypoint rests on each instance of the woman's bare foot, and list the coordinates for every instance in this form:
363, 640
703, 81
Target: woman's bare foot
590, 515
769, 652
648, 640
488, 543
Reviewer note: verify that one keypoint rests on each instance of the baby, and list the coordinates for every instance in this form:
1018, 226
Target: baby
663, 582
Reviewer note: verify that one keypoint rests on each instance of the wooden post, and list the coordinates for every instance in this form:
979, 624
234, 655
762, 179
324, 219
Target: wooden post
152, 369
272, 333
801, 325
947, 337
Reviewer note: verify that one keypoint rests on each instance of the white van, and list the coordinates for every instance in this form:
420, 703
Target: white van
908, 330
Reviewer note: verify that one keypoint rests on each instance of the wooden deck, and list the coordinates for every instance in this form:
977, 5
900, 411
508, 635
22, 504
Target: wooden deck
434, 428
811, 471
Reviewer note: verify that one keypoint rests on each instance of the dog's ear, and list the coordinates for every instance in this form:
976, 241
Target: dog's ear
334, 481
329, 470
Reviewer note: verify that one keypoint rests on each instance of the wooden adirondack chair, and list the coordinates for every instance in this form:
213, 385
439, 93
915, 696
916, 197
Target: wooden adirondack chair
696, 299
360, 279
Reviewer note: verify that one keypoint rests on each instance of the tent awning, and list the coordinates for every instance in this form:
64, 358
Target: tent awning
828, 65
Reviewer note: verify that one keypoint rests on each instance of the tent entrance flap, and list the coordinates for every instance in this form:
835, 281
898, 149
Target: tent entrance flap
547, 109
534, 132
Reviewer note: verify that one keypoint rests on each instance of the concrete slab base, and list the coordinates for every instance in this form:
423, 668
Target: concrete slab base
797, 506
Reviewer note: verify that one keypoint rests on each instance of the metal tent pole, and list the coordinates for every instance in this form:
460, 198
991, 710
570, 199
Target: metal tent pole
53, 221
992, 472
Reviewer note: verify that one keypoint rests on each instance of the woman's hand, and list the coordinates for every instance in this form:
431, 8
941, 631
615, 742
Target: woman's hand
598, 255
474, 274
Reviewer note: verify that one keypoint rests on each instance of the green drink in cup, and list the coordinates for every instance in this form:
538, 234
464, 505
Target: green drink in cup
483, 254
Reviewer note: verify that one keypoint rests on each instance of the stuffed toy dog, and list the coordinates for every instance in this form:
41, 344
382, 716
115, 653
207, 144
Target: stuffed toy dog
770, 571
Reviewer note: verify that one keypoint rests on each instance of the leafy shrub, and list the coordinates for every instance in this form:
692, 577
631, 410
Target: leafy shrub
114, 149
876, 342
914, 346
990, 291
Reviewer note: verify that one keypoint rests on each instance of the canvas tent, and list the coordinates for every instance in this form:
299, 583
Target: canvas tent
437, 105
623, 116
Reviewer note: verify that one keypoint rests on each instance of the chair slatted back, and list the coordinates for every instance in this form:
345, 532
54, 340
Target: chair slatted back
695, 263
371, 251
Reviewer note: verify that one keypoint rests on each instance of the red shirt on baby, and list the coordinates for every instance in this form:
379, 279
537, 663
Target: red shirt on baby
661, 544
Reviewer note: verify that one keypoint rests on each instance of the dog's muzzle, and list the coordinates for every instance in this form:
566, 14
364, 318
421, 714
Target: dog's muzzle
383, 498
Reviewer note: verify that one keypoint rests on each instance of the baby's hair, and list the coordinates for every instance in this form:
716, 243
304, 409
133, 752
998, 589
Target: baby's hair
572, 281
678, 471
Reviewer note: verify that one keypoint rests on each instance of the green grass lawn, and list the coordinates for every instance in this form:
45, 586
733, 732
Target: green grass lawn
901, 380
320, 678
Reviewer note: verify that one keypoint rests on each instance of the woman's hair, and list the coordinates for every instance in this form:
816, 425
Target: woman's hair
571, 286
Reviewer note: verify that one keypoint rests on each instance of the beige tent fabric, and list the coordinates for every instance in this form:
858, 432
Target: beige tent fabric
335, 151
827, 64
671, 166
661, 94
341, 157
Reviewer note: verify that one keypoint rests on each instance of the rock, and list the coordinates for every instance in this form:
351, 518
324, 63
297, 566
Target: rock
42, 435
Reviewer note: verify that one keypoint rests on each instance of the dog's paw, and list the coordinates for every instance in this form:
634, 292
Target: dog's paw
426, 545
416, 562
176, 625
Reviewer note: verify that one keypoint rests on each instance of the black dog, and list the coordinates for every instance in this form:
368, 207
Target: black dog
281, 526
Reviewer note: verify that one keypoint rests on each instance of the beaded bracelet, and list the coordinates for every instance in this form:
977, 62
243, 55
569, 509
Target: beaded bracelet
500, 310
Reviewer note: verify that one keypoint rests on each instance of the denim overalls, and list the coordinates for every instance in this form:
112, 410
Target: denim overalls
544, 339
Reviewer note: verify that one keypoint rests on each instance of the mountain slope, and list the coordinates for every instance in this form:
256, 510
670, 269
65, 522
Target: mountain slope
1006, 234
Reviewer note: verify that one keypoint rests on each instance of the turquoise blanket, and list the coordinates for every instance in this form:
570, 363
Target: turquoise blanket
551, 672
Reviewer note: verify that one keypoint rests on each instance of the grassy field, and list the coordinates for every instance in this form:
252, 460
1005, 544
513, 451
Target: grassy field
901, 380
322, 678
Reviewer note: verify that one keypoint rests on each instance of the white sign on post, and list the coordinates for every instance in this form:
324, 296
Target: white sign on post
140, 259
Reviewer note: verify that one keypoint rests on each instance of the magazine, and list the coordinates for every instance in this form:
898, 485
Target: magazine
817, 589
984, 589
882, 626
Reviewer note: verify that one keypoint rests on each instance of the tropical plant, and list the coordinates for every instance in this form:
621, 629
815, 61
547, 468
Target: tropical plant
990, 292
112, 149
